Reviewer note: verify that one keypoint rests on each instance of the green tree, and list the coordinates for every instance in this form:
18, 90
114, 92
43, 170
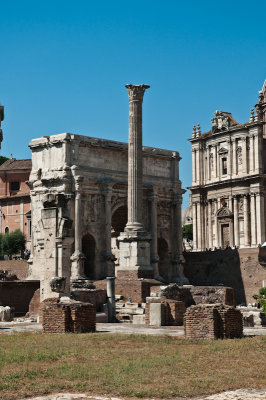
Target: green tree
261, 298
187, 231
3, 159
13, 242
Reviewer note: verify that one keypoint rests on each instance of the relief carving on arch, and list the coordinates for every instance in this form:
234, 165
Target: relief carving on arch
240, 205
164, 213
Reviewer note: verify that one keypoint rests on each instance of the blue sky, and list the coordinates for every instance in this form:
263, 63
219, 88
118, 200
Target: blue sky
64, 65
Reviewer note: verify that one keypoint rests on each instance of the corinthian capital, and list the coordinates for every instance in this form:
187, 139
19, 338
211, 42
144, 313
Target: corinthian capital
136, 92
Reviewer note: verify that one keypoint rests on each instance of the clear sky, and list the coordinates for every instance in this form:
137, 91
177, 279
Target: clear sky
64, 65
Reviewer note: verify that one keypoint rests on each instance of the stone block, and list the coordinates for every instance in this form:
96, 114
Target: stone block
138, 319
5, 313
156, 314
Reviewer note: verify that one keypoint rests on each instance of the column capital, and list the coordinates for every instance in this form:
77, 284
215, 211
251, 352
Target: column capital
136, 92
78, 180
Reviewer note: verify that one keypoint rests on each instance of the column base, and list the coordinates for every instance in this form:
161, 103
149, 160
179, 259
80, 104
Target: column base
135, 255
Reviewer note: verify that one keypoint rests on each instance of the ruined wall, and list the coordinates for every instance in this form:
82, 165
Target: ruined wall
18, 294
239, 269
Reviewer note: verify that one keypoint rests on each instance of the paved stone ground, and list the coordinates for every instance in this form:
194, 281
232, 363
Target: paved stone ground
240, 394
12, 327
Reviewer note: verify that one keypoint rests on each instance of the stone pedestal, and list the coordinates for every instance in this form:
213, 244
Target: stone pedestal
135, 254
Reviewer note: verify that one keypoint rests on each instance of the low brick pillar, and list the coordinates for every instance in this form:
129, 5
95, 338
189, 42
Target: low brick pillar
212, 321
72, 316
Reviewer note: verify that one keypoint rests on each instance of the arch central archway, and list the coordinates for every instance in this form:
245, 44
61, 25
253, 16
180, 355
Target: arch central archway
119, 220
88, 249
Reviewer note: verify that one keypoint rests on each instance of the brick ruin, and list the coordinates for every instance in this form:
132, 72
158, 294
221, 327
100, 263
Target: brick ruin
213, 321
70, 316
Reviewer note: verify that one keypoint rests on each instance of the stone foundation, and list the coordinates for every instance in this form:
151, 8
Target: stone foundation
209, 321
62, 317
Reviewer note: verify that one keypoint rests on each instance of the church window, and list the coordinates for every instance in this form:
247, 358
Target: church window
224, 165
14, 186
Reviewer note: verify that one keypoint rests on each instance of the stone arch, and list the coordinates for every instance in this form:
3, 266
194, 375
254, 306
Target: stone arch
6, 230
118, 223
164, 259
89, 250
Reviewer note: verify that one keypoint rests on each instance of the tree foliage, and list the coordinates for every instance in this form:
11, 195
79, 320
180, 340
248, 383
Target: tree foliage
261, 298
13, 242
187, 231
3, 159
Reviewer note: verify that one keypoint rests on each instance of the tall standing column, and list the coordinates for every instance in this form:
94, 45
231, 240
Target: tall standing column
246, 222
134, 247
135, 94
253, 220
77, 267
236, 222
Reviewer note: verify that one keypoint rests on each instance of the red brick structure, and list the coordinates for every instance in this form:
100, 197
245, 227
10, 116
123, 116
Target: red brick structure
62, 317
15, 196
212, 321
18, 294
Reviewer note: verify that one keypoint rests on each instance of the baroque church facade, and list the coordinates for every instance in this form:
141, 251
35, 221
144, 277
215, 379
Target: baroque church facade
228, 181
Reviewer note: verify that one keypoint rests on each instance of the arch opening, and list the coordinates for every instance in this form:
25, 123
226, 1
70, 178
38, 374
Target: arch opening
88, 249
164, 259
119, 220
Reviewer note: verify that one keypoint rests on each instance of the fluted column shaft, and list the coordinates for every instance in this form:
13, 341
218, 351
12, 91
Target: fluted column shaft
135, 94
251, 154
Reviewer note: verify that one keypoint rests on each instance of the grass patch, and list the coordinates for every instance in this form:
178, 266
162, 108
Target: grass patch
127, 365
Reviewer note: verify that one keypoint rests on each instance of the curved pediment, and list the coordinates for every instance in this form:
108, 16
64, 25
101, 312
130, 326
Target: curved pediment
224, 212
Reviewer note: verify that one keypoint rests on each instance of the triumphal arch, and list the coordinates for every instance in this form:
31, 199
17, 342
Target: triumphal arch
79, 192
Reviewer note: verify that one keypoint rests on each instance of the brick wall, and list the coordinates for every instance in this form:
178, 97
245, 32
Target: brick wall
34, 306
18, 294
239, 269
76, 317
136, 289
16, 267
212, 321
97, 297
